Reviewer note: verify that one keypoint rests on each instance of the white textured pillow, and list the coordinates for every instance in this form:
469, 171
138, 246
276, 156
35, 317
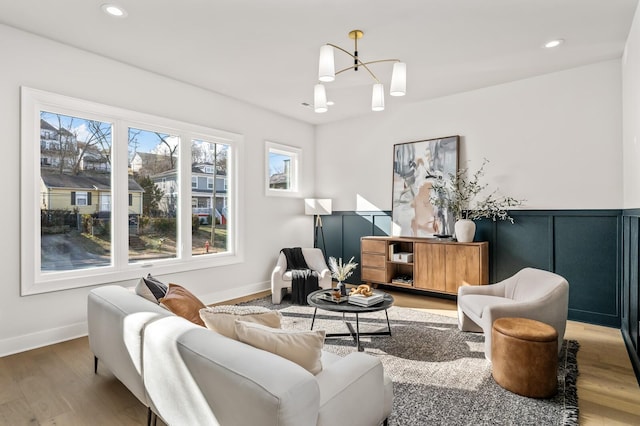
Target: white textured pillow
222, 318
302, 347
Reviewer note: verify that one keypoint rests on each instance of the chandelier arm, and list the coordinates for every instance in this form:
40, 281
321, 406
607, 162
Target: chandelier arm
364, 64
359, 62
340, 48
381, 60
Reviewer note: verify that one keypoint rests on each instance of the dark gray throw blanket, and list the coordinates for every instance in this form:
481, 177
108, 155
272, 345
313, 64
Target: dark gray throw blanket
303, 280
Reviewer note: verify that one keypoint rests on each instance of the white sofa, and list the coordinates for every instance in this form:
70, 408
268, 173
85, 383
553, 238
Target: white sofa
189, 375
116, 320
281, 278
530, 293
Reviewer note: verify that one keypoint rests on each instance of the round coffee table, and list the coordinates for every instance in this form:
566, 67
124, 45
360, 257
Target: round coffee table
314, 299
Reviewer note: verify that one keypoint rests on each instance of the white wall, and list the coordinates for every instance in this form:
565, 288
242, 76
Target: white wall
554, 140
631, 116
270, 223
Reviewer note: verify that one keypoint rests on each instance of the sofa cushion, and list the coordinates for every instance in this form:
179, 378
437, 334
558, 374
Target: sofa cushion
475, 303
302, 347
222, 319
151, 289
183, 303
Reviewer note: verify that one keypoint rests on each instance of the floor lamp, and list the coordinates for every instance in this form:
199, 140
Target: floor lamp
317, 207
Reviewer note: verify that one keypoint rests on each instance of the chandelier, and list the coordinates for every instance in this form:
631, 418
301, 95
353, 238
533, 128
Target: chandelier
327, 73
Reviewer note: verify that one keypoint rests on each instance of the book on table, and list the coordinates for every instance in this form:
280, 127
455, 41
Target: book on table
362, 300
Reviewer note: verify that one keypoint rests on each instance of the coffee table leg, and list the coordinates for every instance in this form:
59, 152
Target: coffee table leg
354, 333
388, 325
314, 317
360, 348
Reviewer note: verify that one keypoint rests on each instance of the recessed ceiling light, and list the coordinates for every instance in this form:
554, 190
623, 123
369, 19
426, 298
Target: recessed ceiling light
330, 103
553, 43
113, 10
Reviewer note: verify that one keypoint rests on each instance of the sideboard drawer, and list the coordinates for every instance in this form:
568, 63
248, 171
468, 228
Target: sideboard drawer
373, 260
374, 275
373, 246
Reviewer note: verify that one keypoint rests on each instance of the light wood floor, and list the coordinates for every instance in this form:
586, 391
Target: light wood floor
55, 385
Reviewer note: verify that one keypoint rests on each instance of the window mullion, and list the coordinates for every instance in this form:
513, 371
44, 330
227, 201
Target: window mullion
120, 195
184, 234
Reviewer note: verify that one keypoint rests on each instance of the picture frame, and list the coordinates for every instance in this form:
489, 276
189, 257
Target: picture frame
415, 166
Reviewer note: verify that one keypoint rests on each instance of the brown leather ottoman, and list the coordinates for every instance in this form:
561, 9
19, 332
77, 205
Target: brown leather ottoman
524, 356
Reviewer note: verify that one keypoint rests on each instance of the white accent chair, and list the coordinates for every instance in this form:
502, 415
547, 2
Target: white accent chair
281, 278
531, 293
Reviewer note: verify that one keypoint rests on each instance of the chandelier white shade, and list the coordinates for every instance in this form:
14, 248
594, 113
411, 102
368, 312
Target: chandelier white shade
326, 67
399, 79
327, 73
377, 97
319, 98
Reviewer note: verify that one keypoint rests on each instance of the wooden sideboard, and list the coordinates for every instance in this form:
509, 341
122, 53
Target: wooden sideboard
424, 263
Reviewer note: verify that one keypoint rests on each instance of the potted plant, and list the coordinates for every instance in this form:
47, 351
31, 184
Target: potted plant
459, 196
341, 271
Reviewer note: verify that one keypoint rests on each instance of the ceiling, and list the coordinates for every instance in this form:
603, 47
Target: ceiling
265, 52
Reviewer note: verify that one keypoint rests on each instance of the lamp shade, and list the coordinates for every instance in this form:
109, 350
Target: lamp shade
319, 98
377, 97
317, 206
399, 79
326, 65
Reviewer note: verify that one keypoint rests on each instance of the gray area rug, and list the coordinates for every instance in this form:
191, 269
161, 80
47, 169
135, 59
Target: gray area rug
440, 375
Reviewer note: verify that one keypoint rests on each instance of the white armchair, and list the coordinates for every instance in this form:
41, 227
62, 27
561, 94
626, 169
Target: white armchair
531, 293
281, 278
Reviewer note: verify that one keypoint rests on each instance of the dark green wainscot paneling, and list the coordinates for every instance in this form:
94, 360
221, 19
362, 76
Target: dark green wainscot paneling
584, 246
343, 231
630, 285
581, 245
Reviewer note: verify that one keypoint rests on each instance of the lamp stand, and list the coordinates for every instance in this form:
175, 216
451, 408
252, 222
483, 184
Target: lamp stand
315, 237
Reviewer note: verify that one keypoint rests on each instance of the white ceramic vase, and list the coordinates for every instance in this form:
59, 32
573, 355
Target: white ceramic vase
465, 230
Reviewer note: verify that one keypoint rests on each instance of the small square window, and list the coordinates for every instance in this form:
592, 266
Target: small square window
282, 164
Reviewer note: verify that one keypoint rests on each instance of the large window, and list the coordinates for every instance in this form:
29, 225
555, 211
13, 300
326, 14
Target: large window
110, 194
210, 165
75, 181
153, 230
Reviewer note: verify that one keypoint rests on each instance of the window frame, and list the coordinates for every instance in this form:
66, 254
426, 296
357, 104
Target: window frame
34, 281
295, 153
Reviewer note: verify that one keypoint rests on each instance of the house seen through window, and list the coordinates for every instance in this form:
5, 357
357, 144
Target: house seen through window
115, 195
282, 169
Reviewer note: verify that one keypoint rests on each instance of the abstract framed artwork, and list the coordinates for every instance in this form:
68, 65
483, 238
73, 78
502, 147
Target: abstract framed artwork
415, 166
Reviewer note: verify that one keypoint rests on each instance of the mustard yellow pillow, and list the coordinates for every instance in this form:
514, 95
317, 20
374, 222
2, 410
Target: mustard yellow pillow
222, 319
302, 347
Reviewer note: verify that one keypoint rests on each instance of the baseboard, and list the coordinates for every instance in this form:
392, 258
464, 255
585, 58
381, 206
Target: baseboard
234, 293
14, 345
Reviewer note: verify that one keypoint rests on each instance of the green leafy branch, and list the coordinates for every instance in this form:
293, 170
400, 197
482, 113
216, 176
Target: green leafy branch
459, 192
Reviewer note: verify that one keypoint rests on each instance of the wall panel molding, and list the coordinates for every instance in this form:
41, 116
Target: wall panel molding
584, 246
631, 285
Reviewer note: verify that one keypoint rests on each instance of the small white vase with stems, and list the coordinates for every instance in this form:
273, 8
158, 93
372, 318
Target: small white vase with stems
465, 230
